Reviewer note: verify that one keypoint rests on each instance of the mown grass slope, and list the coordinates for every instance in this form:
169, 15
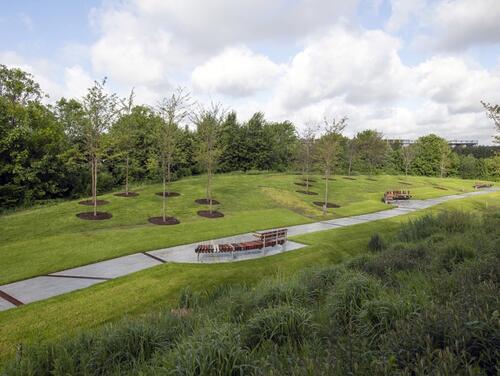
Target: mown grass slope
160, 287
47, 239
422, 299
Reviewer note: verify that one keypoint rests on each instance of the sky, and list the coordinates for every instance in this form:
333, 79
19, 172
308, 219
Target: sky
404, 67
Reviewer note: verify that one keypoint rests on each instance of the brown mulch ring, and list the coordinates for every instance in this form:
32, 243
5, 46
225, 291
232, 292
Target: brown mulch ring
160, 221
204, 201
404, 182
372, 179
442, 188
332, 179
310, 180
328, 205
348, 178
308, 193
168, 194
91, 202
91, 217
130, 194
210, 214
303, 184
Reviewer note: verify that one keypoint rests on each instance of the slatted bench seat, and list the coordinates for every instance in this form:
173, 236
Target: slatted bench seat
390, 196
482, 185
265, 239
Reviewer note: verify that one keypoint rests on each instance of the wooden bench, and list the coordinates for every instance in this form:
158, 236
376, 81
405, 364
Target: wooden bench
482, 185
265, 239
390, 196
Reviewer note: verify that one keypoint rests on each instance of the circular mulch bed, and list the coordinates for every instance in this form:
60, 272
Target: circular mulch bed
442, 188
160, 221
91, 217
310, 180
208, 214
168, 194
204, 201
91, 202
308, 193
332, 179
130, 194
372, 179
328, 205
348, 178
303, 184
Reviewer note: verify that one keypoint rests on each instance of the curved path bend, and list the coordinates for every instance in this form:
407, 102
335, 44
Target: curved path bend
38, 288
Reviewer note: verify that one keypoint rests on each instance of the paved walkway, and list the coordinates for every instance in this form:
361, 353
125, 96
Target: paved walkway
43, 287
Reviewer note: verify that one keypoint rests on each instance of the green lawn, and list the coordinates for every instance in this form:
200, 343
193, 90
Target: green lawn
160, 286
47, 239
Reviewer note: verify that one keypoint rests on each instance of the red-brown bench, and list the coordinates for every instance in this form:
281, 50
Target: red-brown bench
482, 185
390, 196
265, 239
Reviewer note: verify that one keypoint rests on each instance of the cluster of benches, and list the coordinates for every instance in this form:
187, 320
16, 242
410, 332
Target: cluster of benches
390, 196
482, 185
264, 239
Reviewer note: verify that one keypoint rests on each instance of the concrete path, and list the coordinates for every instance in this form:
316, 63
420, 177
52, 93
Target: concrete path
43, 287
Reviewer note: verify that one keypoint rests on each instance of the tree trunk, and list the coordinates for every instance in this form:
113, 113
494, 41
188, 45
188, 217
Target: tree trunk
164, 214
350, 165
95, 186
126, 177
209, 188
327, 174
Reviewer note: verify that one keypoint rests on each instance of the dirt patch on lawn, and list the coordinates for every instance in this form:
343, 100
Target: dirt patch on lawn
167, 221
91, 202
328, 205
441, 188
204, 201
371, 179
210, 214
303, 184
168, 194
124, 194
91, 217
310, 180
310, 193
348, 178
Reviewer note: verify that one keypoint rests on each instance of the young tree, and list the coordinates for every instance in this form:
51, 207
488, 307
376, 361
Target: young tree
328, 150
444, 158
124, 135
408, 154
101, 110
351, 152
307, 143
373, 148
493, 112
173, 110
208, 123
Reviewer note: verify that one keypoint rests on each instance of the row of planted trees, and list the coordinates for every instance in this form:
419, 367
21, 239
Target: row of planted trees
99, 110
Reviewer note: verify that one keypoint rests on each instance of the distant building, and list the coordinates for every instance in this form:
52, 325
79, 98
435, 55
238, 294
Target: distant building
452, 143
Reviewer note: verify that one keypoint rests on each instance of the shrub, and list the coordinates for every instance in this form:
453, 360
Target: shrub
276, 292
316, 282
452, 254
116, 347
282, 324
376, 243
216, 350
345, 301
188, 299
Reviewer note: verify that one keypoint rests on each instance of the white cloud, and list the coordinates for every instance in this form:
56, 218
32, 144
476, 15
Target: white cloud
463, 23
360, 65
401, 13
236, 71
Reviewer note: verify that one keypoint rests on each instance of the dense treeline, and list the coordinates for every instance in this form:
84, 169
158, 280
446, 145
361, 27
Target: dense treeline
63, 150
422, 302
